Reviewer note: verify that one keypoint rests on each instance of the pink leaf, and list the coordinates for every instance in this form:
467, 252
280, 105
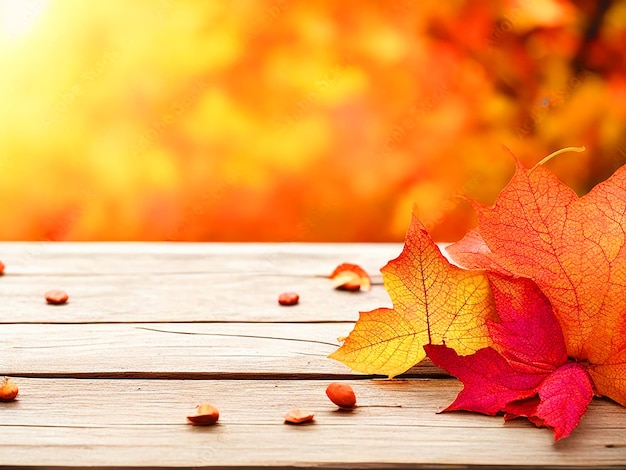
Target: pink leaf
528, 334
489, 380
564, 397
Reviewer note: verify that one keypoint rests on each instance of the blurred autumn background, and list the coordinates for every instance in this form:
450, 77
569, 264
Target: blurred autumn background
287, 120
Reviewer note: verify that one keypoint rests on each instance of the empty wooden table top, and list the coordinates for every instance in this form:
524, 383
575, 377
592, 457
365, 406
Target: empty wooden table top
152, 330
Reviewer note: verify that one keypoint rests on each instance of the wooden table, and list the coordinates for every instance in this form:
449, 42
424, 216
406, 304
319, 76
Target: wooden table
152, 330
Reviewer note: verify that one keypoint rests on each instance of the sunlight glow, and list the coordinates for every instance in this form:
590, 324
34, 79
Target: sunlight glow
18, 17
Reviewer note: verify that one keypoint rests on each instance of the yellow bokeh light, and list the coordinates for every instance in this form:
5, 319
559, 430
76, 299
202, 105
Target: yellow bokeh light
18, 17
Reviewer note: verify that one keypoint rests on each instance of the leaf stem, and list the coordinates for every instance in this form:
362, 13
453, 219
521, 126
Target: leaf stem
558, 152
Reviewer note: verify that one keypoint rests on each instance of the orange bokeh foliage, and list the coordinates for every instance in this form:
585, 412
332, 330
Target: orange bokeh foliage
284, 120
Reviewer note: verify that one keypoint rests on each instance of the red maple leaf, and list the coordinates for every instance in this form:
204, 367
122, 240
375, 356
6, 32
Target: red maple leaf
526, 372
574, 249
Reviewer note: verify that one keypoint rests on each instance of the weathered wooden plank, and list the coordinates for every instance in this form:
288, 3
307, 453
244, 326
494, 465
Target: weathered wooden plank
138, 423
147, 282
175, 350
152, 258
225, 297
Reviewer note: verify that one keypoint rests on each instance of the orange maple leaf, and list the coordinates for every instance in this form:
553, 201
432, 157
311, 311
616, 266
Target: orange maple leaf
434, 302
574, 249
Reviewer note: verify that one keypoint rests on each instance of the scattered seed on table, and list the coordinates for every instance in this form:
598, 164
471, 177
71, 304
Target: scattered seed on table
8, 389
56, 297
341, 394
299, 416
288, 298
206, 415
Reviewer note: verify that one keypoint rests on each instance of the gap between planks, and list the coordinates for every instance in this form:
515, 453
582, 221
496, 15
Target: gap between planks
425, 370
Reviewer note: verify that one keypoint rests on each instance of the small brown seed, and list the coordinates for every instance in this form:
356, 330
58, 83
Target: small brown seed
205, 415
56, 297
299, 416
8, 389
1, 268
341, 394
288, 298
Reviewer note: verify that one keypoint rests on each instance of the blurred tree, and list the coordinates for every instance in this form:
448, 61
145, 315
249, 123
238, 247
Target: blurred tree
289, 120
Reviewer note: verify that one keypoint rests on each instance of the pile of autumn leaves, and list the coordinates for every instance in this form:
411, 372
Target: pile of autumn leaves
535, 325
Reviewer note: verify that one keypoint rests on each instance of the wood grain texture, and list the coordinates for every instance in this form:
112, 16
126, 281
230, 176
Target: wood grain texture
141, 423
187, 282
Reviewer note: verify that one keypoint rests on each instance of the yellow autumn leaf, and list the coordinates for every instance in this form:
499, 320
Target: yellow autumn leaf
434, 302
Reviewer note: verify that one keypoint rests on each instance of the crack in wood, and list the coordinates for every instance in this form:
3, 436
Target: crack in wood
335, 345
